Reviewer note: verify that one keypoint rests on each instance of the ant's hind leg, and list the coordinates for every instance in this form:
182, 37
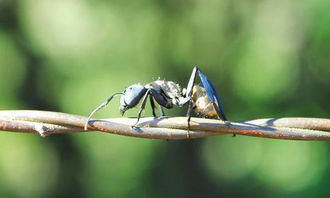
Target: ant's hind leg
190, 84
190, 107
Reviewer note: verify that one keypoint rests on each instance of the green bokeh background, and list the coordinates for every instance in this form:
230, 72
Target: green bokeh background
267, 58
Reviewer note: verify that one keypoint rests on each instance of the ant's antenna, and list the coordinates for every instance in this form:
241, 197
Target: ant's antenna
100, 107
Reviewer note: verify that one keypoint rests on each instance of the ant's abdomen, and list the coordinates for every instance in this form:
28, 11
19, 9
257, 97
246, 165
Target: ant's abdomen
202, 103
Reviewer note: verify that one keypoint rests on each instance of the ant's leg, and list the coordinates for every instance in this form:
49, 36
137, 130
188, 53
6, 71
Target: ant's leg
189, 89
190, 107
190, 84
152, 103
160, 99
161, 110
144, 101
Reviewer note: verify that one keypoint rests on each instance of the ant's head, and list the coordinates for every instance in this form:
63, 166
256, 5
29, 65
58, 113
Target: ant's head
131, 97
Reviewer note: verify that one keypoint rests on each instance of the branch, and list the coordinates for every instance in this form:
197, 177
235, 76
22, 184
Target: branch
47, 123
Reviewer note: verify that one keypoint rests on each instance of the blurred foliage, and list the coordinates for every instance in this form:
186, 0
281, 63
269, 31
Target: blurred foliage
267, 58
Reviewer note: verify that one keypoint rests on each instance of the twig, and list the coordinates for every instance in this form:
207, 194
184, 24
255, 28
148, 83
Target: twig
47, 123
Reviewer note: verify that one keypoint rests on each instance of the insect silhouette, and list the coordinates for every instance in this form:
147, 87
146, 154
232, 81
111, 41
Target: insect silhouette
202, 98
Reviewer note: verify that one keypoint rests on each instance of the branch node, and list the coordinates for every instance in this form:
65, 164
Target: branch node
43, 130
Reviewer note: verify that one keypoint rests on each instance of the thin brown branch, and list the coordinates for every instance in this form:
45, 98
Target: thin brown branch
47, 123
